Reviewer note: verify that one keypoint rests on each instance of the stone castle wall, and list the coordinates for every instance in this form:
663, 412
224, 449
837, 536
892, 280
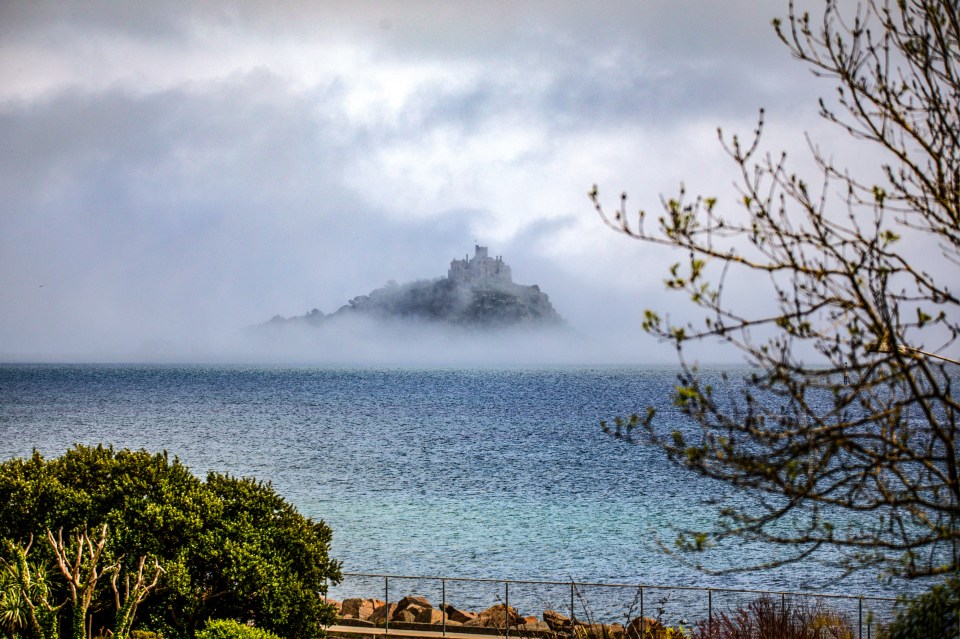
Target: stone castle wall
480, 267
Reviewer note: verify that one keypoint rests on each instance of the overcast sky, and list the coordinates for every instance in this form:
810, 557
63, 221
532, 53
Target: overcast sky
174, 172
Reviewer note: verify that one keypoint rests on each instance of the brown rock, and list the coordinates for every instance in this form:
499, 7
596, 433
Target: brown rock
359, 608
406, 616
417, 610
336, 604
458, 616
498, 616
431, 616
536, 626
413, 600
556, 621
382, 612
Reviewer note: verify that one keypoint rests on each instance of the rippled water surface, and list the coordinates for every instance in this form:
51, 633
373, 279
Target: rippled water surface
479, 473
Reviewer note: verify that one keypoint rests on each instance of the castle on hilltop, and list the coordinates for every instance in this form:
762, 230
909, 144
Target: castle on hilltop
478, 268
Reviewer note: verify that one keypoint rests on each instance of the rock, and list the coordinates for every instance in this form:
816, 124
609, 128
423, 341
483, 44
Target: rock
413, 600
382, 612
336, 605
431, 616
359, 608
409, 608
556, 621
458, 616
536, 626
408, 615
498, 616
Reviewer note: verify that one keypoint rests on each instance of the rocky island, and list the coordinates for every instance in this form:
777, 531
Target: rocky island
478, 292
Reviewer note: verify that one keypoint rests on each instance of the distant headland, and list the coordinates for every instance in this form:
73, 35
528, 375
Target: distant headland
478, 292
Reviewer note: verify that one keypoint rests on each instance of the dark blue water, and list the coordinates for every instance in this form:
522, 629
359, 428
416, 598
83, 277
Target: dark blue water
475, 473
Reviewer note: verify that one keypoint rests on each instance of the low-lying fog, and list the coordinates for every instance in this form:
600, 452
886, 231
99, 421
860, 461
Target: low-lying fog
175, 173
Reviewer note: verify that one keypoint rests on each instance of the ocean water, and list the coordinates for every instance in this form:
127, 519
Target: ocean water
481, 473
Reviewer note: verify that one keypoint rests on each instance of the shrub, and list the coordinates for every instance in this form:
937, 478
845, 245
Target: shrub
766, 617
232, 629
230, 548
933, 615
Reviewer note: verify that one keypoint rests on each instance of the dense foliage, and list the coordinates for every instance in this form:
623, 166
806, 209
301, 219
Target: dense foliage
232, 629
845, 435
227, 547
933, 614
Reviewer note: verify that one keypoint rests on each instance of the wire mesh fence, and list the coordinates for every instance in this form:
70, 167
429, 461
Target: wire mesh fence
526, 608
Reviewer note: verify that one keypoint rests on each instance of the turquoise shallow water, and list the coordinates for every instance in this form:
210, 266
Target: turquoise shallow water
475, 473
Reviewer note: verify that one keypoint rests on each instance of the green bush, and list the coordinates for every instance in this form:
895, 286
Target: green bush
232, 629
231, 548
932, 615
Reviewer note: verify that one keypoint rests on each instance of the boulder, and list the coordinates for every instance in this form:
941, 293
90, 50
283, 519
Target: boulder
382, 613
498, 616
458, 616
407, 615
431, 616
413, 600
359, 608
556, 621
535, 626
336, 605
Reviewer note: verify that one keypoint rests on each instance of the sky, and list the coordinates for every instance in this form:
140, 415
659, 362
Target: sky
173, 173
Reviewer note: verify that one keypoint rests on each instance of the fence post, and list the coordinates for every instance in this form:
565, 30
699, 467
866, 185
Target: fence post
443, 604
386, 597
506, 612
710, 609
643, 620
860, 617
573, 611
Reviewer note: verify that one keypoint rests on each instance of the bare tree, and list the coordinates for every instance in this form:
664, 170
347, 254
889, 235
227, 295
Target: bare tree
79, 563
133, 595
846, 429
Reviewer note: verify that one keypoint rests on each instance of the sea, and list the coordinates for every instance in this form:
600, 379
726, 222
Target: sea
486, 473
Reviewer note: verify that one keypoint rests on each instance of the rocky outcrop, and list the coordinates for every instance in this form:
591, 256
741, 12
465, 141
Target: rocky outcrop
486, 300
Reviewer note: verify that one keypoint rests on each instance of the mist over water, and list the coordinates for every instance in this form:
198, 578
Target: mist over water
360, 341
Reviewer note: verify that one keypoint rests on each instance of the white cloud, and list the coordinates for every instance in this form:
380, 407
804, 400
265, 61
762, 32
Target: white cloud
177, 170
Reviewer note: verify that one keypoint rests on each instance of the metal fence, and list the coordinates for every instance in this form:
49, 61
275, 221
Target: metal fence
609, 604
